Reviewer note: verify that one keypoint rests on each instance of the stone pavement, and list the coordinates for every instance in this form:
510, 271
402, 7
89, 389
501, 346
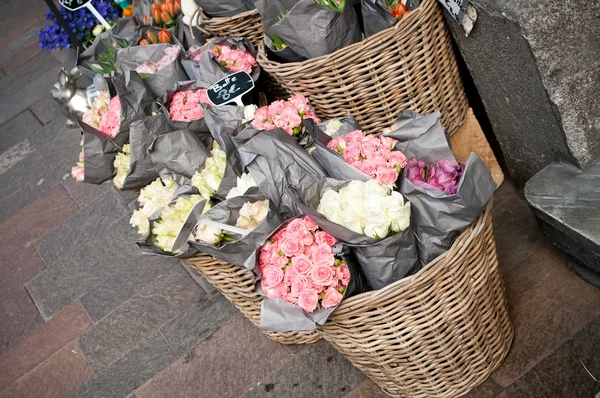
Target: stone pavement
83, 313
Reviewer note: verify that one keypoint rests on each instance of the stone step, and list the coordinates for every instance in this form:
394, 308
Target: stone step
566, 203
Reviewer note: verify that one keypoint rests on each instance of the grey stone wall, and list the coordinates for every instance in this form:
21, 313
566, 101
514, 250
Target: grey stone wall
536, 65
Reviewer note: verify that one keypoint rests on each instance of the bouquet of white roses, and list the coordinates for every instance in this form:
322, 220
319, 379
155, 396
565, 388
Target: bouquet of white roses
207, 180
152, 198
366, 208
121, 164
244, 183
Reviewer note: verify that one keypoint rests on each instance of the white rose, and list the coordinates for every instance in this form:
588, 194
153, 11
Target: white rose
333, 127
98, 29
208, 234
353, 220
249, 112
333, 214
375, 188
330, 199
403, 220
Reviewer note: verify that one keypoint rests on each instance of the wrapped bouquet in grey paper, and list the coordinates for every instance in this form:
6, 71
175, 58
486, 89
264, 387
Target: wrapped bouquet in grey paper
158, 64
141, 135
339, 126
97, 157
184, 106
276, 161
248, 212
378, 15
271, 12
310, 29
368, 218
225, 8
220, 58
178, 155
441, 215
304, 273
121, 35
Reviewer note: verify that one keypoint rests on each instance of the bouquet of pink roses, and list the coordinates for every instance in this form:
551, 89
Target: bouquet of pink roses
443, 175
373, 155
235, 60
299, 266
105, 114
287, 115
185, 105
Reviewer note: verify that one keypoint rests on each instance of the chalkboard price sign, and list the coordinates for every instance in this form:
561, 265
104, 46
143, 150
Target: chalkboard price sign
230, 89
74, 5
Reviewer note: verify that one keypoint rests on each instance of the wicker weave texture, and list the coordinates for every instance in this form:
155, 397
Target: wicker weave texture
436, 334
237, 285
246, 24
409, 66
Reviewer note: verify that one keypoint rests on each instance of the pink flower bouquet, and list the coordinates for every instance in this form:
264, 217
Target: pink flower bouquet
185, 106
105, 114
287, 115
443, 175
371, 154
298, 265
235, 59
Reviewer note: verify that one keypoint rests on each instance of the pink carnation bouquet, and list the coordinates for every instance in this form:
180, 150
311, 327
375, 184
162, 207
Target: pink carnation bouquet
298, 265
185, 105
373, 155
105, 114
235, 60
287, 115
443, 175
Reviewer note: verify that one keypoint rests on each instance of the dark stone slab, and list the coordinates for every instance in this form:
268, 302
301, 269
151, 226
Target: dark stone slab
139, 317
563, 373
226, 364
487, 389
19, 317
366, 389
5, 55
17, 129
59, 376
131, 371
34, 80
198, 322
201, 280
567, 204
516, 232
74, 274
26, 39
18, 267
548, 306
21, 58
118, 288
310, 374
57, 142
90, 222
46, 109
42, 343
85, 194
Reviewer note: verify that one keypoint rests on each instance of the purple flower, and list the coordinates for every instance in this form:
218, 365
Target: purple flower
443, 175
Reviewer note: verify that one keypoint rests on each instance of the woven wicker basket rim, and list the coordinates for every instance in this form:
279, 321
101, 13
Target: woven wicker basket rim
401, 26
215, 20
460, 244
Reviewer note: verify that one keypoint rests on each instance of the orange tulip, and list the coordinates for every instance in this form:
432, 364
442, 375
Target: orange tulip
128, 11
165, 17
164, 36
146, 20
156, 16
177, 7
399, 11
144, 42
151, 36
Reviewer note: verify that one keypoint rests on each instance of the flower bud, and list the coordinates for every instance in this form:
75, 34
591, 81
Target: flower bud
156, 16
144, 42
177, 7
151, 36
165, 16
164, 36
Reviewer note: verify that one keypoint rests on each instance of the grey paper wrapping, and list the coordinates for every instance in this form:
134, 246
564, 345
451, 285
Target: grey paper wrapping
184, 35
275, 162
121, 34
278, 315
243, 134
141, 135
383, 261
439, 218
284, 55
312, 30
331, 161
98, 157
127, 59
146, 243
224, 8
270, 10
141, 9
376, 16
238, 251
421, 136
207, 70
136, 100
178, 155
197, 127
339, 126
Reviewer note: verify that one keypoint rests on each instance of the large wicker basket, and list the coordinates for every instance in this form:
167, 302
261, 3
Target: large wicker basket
237, 285
409, 66
438, 333
246, 24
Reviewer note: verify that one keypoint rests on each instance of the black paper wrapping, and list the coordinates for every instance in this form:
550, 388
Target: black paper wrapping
383, 261
98, 156
278, 315
239, 250
207, 70
276, 161
224, 8
377, 17
197, 127
128, 59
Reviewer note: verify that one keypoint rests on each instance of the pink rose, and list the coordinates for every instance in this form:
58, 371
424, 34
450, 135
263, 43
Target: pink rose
290, 299
368, 148
397, 158
323, 238
343, 274
291, 246
306, 237
308, 300
195, 113
337, 144
290, 275
386, 175
272, 276
381, 155
294, 228
416, 170
309, 251
311, 115
110, 123
357, 164
310, 224
279, 235
300, 103
299, 284
77, 173
323, 255
323, 274
388, 142
352, 153
368, 167
302, 264
355, 136
332, 298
